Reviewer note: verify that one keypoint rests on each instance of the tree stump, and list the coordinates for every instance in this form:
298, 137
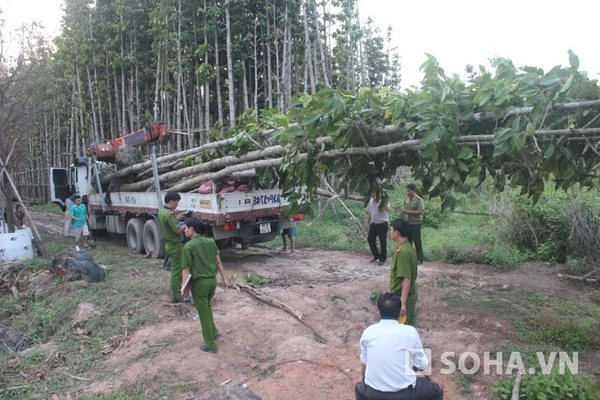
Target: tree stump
73, 265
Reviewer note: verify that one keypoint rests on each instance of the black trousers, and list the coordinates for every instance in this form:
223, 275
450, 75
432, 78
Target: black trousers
378, 231
415, 239
423, 390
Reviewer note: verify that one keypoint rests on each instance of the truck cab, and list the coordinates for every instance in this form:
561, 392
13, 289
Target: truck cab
76, 179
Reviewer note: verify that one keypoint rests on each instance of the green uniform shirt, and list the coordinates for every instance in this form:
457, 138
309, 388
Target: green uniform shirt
404, 265
200, 255
168, 225
414, 204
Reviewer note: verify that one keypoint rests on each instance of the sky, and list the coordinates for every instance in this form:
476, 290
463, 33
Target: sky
535, 33
460, 32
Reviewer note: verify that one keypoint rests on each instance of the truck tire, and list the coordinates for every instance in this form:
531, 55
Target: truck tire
223, 243
152, 241
135, 235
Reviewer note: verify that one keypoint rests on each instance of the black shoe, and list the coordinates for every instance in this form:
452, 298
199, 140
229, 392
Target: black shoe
419, 262
186, 300
206, 349
218, 335
375, 259
381, 262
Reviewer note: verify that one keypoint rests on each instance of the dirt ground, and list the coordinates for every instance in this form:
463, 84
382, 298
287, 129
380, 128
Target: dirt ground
277, 357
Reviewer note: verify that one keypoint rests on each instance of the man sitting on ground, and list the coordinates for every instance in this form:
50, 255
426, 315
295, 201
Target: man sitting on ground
388, 352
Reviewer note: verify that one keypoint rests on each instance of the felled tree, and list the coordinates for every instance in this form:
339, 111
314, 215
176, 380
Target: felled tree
521, 127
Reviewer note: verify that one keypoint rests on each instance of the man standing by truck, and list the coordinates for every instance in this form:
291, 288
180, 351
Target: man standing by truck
80, 219
172, 233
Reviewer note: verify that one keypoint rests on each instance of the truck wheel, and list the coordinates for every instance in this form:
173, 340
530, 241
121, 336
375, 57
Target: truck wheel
223, 243
135, 235
152, 242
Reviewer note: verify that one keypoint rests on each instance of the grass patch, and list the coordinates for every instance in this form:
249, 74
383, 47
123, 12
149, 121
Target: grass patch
540, 322
554, 385
465, 381
458, 241
46, 315
47, 207
333, 229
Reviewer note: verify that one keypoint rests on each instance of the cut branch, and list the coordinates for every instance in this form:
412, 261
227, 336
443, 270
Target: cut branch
276, 303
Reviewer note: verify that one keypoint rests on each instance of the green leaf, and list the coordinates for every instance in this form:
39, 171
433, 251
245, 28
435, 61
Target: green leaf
445, 92
502, 135
431, 136
465, 154
501, 149
281, 120
520, 138
567, 84
294, 131
312, 117
485, 97
462, 166
549, 151
319, 338
549, 80
573, 59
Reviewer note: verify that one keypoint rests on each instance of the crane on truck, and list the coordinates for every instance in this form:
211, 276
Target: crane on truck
248, 215
155, 132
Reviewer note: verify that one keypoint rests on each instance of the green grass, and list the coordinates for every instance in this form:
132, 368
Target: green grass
47, 207
333, 229
459, 239
456, 241
131, 283
541, 323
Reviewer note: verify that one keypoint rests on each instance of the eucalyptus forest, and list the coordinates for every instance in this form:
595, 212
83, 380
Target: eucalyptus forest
298, 92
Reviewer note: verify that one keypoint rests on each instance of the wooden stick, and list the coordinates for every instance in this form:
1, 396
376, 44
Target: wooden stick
579, 278
39, 242
77, 377
515, 391
13, 388
276, 303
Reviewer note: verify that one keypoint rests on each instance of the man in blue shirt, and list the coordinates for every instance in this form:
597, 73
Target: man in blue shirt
80, 222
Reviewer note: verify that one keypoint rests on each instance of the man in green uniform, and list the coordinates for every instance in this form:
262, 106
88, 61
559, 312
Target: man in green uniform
413, 210
403, 276
172, 233
200, 258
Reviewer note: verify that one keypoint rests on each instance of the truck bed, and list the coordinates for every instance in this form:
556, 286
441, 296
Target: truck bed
218, 208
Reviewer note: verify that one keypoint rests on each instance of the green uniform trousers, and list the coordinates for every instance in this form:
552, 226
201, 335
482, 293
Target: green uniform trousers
203, 290
411, 312
174, 252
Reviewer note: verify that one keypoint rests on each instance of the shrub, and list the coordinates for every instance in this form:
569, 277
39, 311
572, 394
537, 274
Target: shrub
434, 216
503, 256
550, 386
559, 225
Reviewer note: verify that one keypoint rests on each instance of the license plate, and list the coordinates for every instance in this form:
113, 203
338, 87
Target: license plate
265, 228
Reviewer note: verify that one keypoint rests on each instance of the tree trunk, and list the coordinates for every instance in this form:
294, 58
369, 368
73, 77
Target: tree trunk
255, 45
218, 82
269, 94
307, 51
230, 77
178, 105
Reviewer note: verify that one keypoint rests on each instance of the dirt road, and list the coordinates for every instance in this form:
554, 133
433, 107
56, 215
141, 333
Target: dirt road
278, 357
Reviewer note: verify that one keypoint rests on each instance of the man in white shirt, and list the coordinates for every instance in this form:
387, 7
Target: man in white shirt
377, 226
388, 352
